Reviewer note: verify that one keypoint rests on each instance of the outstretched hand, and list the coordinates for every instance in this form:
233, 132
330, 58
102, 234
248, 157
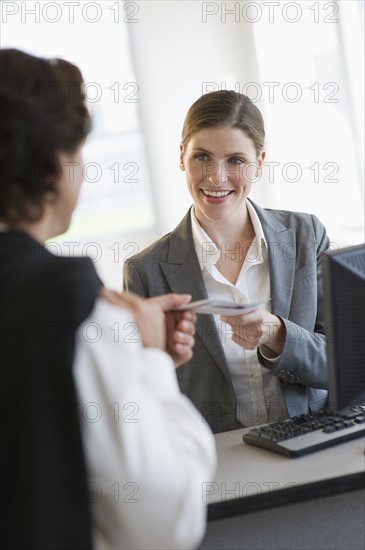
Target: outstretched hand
257, 328
149, 317
180, 326
158, 325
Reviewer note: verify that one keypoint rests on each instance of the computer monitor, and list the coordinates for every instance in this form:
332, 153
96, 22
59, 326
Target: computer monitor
344, 309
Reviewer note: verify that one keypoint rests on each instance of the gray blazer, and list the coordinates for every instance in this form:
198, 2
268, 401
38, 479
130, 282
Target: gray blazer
295, 242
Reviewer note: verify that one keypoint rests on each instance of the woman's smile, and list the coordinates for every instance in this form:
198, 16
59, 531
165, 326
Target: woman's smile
216, 197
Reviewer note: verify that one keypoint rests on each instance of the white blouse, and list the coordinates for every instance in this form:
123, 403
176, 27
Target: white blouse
258, 394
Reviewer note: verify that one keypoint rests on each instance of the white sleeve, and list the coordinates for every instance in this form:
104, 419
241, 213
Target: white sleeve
148, 451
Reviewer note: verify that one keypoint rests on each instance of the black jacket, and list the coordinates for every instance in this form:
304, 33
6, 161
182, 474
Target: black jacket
43, 299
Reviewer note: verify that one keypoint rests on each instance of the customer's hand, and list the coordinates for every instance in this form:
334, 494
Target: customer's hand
180, 326
158, 326
149, 316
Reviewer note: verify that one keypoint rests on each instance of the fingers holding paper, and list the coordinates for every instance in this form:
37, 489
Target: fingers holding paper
257, 328
149, 316
160, 325
180, 327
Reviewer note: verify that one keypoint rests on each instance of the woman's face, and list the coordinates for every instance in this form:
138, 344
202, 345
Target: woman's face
221, 165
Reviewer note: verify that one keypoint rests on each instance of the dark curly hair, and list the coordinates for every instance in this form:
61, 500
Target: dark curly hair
225, 108
42, 112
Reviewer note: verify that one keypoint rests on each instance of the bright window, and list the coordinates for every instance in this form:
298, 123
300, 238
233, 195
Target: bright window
116, 197
311, 65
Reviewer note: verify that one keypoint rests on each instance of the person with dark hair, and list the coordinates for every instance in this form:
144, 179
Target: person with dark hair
269, 363
99, 447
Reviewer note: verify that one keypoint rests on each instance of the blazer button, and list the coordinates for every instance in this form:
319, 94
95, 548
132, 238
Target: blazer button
288, 377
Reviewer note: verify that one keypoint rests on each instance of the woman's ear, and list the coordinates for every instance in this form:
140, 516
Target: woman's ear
182, 153
259, 163
260, 159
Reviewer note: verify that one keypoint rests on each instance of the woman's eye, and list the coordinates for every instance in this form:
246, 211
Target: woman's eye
201, 156
235, 160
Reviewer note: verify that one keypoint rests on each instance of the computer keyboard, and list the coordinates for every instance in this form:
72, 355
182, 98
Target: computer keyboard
304, 434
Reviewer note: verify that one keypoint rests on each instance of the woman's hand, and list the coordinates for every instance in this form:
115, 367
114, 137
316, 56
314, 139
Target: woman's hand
257, 328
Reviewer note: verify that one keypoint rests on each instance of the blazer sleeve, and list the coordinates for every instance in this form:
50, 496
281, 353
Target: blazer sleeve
133, 280
303, 359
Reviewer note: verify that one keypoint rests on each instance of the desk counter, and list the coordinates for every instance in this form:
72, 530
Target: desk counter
250, 478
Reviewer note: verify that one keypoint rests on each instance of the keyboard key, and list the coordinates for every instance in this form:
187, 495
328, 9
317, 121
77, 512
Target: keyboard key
339, 426
329, 429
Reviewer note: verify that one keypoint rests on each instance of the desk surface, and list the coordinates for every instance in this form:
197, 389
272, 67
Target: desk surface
249, 478
335, 523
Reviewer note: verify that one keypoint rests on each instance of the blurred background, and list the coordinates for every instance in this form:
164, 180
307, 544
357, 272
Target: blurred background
144, 64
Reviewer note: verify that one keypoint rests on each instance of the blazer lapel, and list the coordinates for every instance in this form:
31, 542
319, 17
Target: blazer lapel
183, 274
282, 253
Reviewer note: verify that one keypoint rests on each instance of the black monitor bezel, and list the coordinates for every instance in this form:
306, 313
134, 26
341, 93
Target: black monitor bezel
334, 299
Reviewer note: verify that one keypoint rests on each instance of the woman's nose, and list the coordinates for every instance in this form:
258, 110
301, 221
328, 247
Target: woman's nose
216, 173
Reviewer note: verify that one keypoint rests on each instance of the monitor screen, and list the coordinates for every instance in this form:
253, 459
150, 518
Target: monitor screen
344, 308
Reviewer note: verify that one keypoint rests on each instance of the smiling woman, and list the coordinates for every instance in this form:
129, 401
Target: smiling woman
267, 364
221, 165
221, 162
